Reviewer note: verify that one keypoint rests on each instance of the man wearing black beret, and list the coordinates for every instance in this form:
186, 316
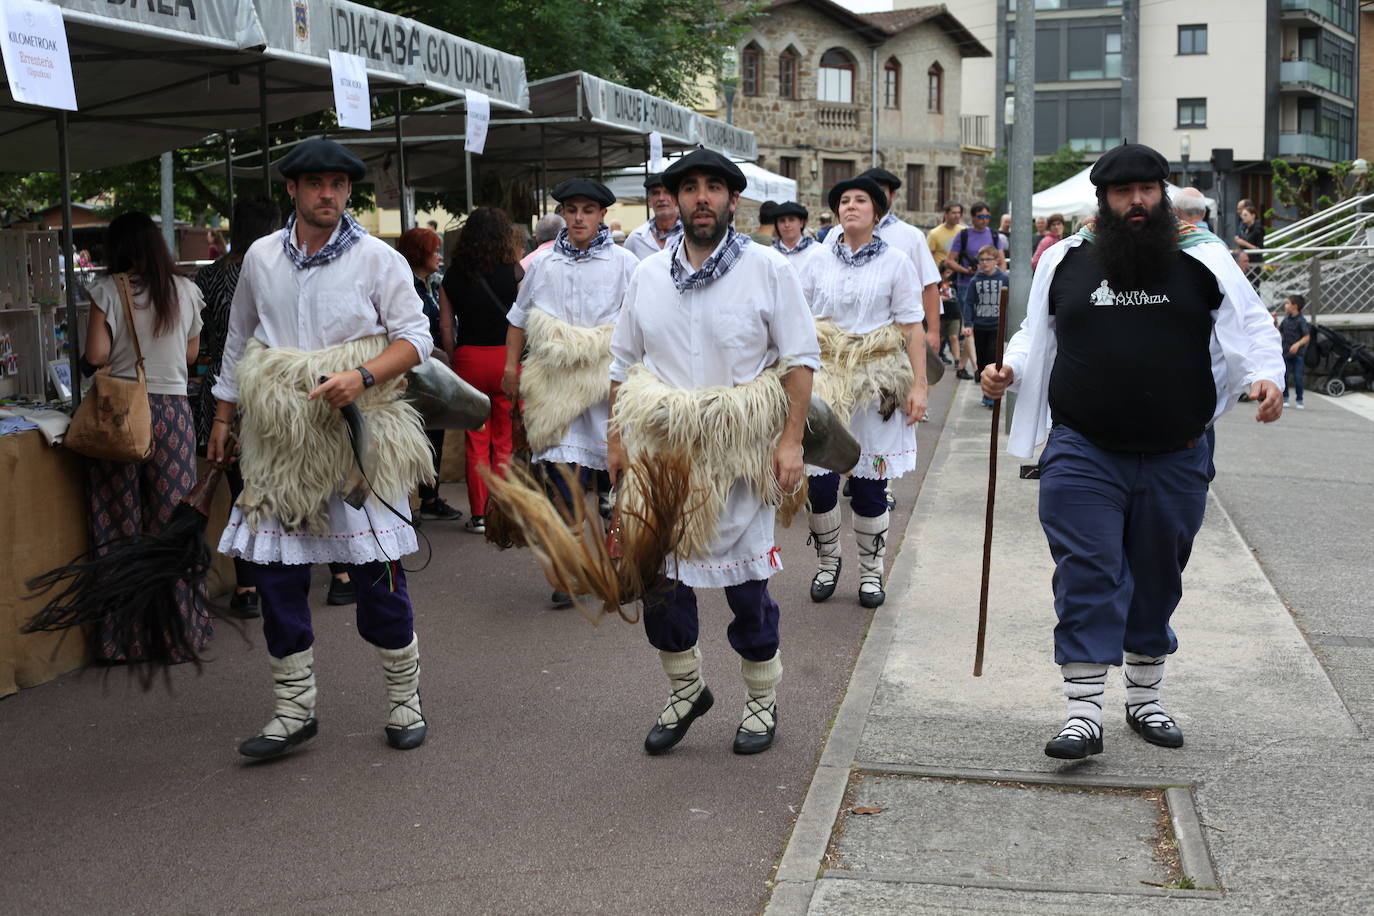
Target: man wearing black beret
1139, 334
663, 228
717, 327
568, 303
322, 297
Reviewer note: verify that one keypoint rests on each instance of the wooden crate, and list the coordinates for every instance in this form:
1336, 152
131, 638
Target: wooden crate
29, 270
25, 327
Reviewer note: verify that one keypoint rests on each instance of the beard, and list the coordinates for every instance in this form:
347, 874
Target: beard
707, 236
320, 222
1134, 257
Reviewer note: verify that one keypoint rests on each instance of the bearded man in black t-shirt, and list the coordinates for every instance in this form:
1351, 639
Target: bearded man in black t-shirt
1140, 332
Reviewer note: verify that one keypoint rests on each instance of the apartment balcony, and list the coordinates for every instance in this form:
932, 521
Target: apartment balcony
1307, 77
1322, 12
1314, 147
976, 131
838, 117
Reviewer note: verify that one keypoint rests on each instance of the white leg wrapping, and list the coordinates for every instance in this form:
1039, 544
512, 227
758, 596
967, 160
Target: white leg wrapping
1143, 675
825, 535
293, 682
761, 679
1083, 686
684, 677
402, 669
871, 534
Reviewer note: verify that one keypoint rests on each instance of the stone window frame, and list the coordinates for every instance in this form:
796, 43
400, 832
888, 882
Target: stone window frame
789, 57
892, 84
852, 67
751, 70
935, 89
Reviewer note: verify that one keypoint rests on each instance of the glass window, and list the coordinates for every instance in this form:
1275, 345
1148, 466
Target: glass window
1192, 39
1094, 53
935, 90
789, 167
1092, 124
1047, 134
787, 75
1047, 46
750, 70
1192, 112
836, 76
892, 84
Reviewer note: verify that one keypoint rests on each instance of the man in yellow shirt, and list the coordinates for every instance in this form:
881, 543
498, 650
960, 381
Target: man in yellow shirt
940, 237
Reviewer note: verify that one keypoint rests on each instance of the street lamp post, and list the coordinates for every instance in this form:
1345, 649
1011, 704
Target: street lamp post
1185, 149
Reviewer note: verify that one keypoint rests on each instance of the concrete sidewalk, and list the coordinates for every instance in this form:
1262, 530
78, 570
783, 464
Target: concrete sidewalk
933, 794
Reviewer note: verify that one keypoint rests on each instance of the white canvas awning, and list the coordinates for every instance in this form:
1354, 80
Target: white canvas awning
1076, 198
763, 185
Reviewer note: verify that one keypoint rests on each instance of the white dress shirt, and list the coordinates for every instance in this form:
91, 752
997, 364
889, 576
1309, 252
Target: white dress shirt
725, 333
643, 241
861, 300
905, 238
367, 290
1245, 344
586, 294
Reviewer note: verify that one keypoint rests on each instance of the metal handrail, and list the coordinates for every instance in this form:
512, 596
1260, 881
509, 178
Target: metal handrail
1316, 218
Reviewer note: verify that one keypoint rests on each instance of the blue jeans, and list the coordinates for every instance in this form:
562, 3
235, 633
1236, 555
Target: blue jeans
1294, 364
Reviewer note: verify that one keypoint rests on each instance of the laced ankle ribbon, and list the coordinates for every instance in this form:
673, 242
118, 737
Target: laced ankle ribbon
754, 709
868, 577
398, 678
825, 575
683, 695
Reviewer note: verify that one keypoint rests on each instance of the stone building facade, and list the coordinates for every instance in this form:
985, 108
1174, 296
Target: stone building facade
808, 74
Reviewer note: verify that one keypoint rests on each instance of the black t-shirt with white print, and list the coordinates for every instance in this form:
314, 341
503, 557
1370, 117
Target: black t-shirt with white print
1134, 368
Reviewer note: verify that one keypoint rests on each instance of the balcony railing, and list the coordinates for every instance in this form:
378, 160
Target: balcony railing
1336, 13
1309, 71
1314, 146
975, 130
834, 116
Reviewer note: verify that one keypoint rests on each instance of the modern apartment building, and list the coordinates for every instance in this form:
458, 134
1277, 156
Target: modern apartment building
828, 91
1262, 78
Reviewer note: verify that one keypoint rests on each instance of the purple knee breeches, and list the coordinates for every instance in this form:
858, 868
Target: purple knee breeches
670, 619
385, 617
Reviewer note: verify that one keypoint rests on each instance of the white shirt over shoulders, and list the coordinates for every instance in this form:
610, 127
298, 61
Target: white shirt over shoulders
367, 290
642, 242
587, 294
907, 239
725, 333
1244, 345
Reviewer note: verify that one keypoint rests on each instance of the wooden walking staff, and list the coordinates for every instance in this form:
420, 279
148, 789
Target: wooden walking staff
992, 494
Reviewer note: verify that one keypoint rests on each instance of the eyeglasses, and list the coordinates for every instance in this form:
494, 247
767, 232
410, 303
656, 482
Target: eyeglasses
982, 215
990, 260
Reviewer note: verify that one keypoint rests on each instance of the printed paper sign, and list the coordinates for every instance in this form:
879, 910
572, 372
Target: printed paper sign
351, 98
479, 119
655, 149
37, 64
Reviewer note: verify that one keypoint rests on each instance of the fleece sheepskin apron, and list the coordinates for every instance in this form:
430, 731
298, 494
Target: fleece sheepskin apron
297, 462
728, 433
565, 390
866, 379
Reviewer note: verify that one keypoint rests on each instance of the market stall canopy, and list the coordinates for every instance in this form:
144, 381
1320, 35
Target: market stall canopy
1076, 198
763, 185
577, 124
158, 76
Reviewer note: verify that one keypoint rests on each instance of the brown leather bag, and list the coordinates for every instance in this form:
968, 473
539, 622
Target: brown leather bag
115, 421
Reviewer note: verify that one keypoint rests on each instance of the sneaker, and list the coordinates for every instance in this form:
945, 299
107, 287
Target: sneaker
987, 402
946, 360
438, 509
1300, 407
477, 525
244, 605
964, 374
1286, 403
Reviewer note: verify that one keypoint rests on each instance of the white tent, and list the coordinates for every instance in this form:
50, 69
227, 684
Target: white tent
1076, 198
763, 185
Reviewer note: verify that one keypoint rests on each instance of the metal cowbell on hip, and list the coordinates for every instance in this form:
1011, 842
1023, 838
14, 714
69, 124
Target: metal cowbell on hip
443, 399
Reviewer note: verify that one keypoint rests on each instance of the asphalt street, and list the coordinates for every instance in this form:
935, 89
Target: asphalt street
532, 794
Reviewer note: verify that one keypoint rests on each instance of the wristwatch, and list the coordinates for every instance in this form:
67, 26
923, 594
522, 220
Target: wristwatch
368, 380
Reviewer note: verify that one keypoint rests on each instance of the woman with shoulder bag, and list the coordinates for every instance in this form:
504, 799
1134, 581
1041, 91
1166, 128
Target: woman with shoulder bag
127, 497
478, 290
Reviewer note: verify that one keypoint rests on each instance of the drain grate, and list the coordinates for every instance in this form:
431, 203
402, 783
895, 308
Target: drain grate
1008, 833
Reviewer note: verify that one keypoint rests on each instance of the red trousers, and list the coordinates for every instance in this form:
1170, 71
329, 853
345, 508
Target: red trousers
481, 367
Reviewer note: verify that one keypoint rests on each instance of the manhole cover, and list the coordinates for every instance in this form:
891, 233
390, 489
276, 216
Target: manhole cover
938, 830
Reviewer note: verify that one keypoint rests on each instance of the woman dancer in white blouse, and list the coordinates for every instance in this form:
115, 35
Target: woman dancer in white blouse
865, 296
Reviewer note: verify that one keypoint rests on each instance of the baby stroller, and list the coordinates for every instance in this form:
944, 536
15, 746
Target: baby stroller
1338, 362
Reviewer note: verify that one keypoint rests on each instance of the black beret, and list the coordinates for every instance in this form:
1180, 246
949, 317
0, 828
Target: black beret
320, 155
704, 160
583, 187
1129, 162
884, 178
653, 180
861, 183
791, 208
766, 211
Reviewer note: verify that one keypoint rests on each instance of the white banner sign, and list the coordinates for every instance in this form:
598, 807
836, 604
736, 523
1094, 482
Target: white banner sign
37, 64
478, 120
655, 149
351, 98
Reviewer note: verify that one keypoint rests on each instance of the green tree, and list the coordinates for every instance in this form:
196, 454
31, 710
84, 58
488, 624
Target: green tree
1061, 165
